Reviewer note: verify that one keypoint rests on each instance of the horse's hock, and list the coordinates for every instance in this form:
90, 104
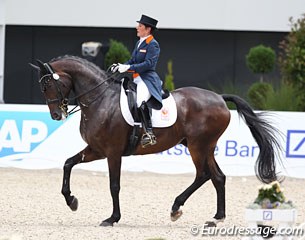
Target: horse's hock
281, 224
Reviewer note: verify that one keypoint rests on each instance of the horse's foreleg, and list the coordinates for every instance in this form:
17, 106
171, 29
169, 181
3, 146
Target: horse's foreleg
71, 201
114, 164
84, 156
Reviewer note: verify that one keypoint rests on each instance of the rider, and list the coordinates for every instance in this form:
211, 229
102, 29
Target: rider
143, 65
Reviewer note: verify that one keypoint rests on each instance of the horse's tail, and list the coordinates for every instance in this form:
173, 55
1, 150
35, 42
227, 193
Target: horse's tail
264, 135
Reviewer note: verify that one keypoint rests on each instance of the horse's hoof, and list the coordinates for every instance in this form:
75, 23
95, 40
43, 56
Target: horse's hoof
176, 215
74, 204
106, 224
210, 224
213, 222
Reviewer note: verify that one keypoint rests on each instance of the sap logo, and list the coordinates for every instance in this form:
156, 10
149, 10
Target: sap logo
21, 132
31, 132
295, 145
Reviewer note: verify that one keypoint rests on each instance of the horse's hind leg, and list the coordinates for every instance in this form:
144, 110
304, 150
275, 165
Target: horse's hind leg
84, 156
202, 175
180, 200
218, 180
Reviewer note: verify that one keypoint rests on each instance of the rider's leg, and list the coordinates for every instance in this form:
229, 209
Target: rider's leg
143, 96
143, 93
148, 137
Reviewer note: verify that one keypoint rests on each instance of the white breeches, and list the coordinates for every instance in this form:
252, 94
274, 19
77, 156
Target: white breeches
143, 93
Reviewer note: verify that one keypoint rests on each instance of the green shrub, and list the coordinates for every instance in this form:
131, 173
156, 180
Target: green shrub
261, 59
117, 53
283, 98
229, 87
258, 93
169, 78
292, 58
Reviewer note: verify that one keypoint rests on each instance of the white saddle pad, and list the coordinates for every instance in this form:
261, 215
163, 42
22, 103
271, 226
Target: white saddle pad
165, 117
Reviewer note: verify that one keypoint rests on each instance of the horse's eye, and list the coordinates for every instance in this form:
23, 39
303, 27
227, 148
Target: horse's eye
43, 88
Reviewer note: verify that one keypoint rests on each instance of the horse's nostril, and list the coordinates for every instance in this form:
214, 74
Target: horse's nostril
56, 116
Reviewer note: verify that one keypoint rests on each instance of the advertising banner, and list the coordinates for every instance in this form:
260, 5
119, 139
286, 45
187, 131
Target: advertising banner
30, 139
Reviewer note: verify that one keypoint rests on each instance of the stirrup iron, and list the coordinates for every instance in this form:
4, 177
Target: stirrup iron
148, 139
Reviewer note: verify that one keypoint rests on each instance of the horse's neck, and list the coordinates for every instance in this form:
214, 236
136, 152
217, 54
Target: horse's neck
90, 84
83, 84
94, 89
83, 78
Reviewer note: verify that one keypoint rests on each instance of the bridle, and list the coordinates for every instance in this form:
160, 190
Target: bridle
45, 83
61, 99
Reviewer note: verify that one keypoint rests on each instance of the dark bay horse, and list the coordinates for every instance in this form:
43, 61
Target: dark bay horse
202, 118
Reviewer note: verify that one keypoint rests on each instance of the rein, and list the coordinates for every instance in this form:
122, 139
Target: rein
72, 111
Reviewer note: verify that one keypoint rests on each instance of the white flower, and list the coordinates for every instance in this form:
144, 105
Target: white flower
276, 183
267, 186
260, 187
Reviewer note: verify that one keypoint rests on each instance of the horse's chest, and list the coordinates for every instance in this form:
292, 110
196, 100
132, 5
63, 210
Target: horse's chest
91, 129
87, 128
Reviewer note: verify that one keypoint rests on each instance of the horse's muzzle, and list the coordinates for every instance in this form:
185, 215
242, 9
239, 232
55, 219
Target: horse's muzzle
56, 115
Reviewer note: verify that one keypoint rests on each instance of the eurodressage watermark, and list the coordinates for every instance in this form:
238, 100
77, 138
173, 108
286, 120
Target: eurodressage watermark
205, 231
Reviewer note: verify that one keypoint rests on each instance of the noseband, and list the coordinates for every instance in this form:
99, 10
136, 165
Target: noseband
45, 84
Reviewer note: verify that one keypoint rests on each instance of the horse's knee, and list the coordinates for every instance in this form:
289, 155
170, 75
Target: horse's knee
67, 166
70, 162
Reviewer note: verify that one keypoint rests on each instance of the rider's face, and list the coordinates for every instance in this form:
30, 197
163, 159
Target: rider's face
142, 30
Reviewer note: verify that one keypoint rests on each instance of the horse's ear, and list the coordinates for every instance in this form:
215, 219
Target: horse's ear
42, 67
35, 67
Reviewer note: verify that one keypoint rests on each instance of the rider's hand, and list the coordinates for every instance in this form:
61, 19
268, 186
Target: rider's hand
123, 67
114, 67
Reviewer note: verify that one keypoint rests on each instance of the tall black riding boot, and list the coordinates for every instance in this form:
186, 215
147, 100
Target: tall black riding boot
148, 137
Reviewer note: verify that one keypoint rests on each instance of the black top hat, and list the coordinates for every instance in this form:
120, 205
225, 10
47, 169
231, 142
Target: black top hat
148, 21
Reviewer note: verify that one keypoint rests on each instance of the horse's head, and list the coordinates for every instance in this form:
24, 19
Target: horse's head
55, 87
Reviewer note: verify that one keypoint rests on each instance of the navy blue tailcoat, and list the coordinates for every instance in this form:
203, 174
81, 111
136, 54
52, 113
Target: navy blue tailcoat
143, 61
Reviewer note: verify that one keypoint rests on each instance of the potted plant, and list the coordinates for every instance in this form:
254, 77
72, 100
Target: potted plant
270, 205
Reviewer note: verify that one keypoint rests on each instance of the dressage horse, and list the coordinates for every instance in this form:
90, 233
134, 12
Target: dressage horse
202, 117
